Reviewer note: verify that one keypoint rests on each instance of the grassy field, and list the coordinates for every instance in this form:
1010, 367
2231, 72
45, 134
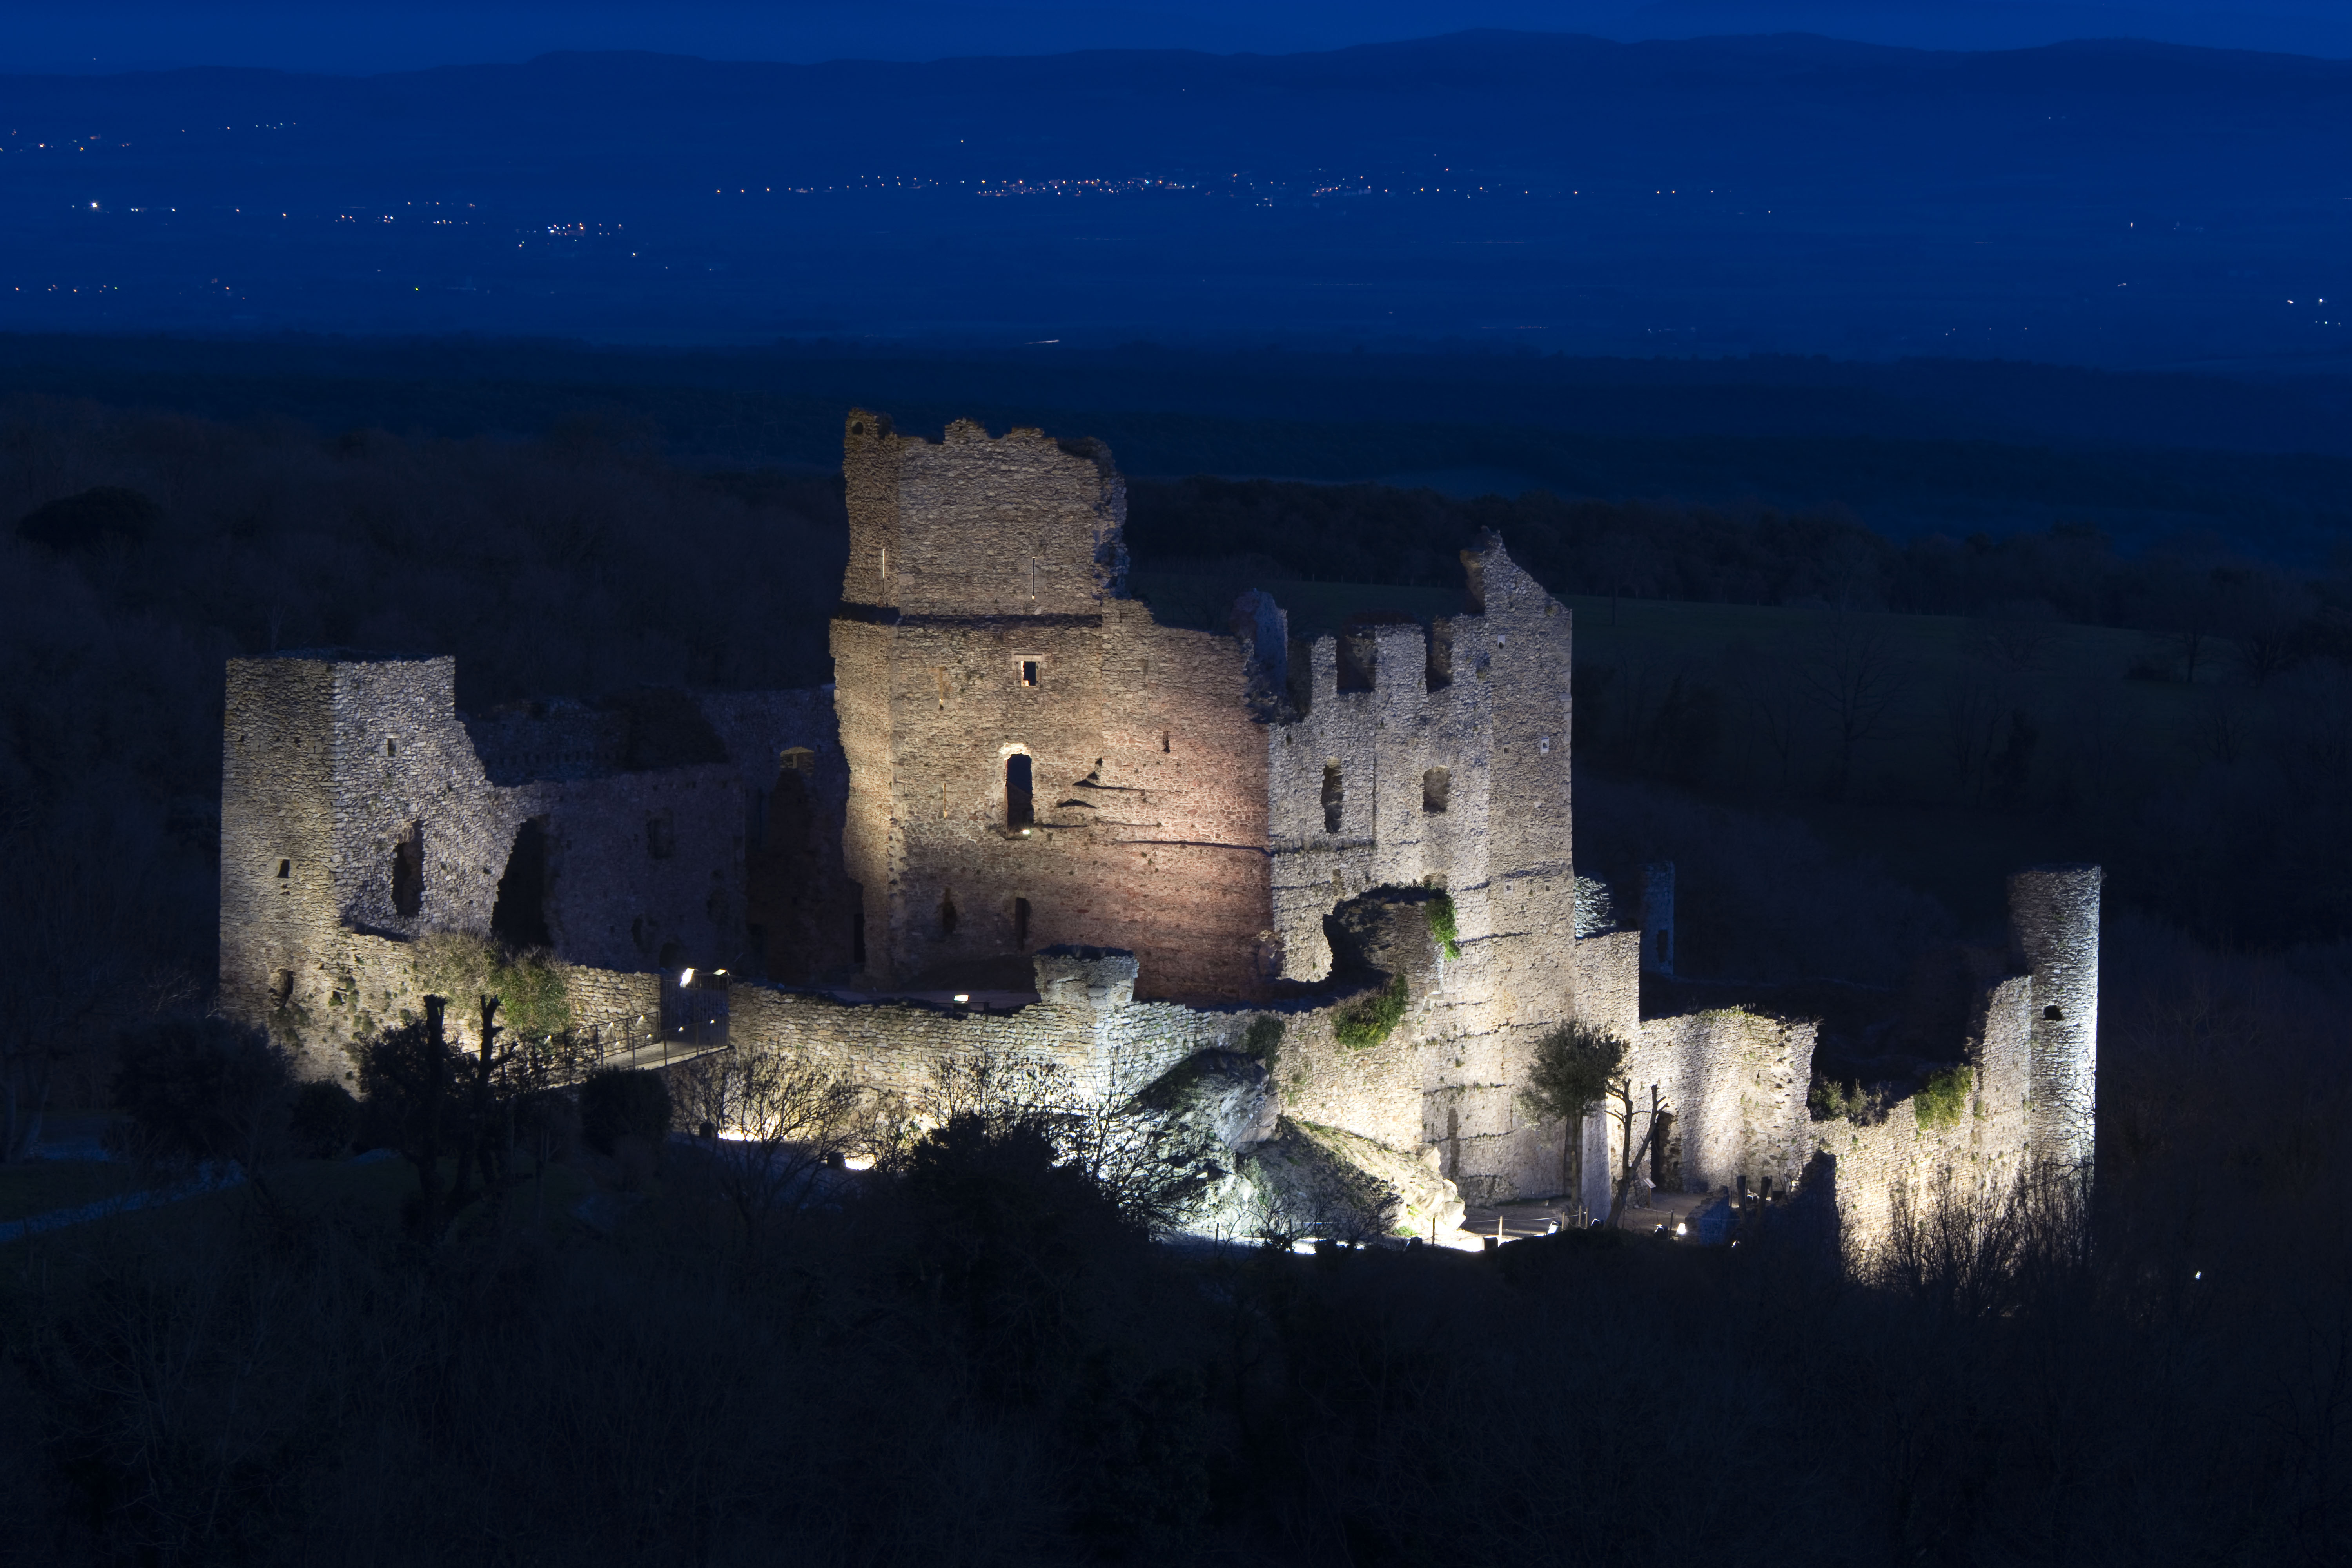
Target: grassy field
370, 1191
40, 1186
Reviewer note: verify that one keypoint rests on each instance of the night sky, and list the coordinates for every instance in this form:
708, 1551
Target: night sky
140, 35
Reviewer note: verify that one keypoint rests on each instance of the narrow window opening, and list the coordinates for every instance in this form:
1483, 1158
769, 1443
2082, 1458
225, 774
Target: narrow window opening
1334, 798
661, 837
408, 871
1021, 924
1028, 672
519, 917
947, 914
391, 748
1020, 804
1299, 678
1163, 741
285, 870
1665, 1167
940, 678
281, 987
1436, 786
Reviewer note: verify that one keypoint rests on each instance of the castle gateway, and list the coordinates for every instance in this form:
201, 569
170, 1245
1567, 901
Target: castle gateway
1137, 845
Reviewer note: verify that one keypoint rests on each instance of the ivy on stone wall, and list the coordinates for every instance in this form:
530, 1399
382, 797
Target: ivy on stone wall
1263, 1038
533, 1000
1942, 1098
1369, 1020
1439, 911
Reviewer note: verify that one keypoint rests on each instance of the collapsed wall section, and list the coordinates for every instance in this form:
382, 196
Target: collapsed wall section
357, 803
1733, 1084
1440, 759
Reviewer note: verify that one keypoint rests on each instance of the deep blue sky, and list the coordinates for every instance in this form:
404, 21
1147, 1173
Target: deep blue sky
108, 36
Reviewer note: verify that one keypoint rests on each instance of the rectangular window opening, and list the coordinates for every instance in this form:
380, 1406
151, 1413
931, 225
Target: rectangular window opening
408, 872
1029, 671
1019, 802
1021, 924
1334, 796
1436, 784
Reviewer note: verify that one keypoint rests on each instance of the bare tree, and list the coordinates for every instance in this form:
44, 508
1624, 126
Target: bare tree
1768, 689
1153, 1165
2015, 635
70, 905
1847, 670
1972, 707
772, 1121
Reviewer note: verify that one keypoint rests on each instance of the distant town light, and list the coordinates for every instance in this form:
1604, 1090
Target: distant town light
962, 996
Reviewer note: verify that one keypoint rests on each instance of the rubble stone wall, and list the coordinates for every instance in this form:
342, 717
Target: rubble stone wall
1734, 1083
996, 631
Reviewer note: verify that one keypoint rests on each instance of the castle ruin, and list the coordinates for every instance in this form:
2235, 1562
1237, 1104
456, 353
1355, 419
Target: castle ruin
1133, 843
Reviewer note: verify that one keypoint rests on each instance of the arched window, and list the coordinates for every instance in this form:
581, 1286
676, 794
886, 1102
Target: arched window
1019, 802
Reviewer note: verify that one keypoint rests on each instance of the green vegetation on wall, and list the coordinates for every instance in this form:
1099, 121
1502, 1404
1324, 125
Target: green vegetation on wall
1370, 1020
533, 1002
1440, 914
1941, 1099
1263, 1038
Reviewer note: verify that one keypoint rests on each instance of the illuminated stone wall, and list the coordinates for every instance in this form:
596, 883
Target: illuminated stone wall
983, 621
1214, 804
331, 761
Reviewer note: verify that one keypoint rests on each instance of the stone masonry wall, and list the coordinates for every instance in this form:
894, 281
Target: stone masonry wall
2055, 936
1735, 1083
1980, 1154
983, 621
331, 761
1449, 752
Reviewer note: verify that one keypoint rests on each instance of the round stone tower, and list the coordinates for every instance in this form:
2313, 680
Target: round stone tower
2054, 920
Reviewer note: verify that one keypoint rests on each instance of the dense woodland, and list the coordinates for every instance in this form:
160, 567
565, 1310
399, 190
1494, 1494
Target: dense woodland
974, 1358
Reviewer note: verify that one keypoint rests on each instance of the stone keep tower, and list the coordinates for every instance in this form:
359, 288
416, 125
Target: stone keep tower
2054, 926
1033, 761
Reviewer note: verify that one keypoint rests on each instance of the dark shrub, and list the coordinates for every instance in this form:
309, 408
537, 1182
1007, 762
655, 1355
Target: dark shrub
324, 1117
108, 514
622, 1102
203, 1088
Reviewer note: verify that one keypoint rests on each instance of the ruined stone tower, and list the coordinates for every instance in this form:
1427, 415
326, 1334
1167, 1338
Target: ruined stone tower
1033, 760
2054, 928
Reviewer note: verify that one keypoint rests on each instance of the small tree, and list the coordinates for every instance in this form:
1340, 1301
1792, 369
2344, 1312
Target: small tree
413, 1082
624, 1102
201, 1088
1577, 1067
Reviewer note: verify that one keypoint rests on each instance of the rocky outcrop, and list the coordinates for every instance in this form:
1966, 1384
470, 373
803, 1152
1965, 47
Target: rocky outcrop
1286, 1179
